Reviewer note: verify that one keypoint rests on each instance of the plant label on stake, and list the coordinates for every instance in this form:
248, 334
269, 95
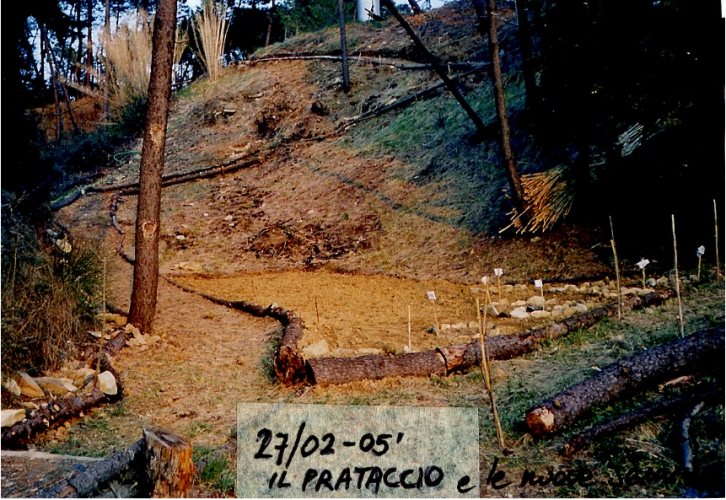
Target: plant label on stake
498, 271
641, 265
431, 295
699, 253
485, 280
540, 285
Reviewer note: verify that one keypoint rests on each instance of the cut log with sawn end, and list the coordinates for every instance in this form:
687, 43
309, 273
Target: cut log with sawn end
700, 351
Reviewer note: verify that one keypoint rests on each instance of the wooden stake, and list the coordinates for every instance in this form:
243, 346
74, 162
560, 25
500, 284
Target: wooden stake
617, 269
698, 274
499, 287
317, 313
486, 375
643, 276
715, 222
678, 281
409, 328
103, 291
489, 298
436, 319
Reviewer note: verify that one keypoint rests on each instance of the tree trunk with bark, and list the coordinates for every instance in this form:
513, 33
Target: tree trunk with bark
270, 17
415, 7
343, 47
89, 43
487, 20
146, 266
107, 68
169, 466
700, 351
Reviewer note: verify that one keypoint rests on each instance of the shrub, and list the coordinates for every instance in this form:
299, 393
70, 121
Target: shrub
50, 296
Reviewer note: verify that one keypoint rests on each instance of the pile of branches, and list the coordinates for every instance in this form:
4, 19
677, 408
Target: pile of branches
548, 199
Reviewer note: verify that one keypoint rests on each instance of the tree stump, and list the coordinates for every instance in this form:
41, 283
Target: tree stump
169, 465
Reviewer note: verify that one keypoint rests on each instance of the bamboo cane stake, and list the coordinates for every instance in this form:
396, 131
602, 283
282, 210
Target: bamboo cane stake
103, 291
486, 374
678, 281
409, 328
617, 269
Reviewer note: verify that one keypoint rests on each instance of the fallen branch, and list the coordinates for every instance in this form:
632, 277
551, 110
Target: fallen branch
114, 222
663, 406
371, 60
702, 350
686, 451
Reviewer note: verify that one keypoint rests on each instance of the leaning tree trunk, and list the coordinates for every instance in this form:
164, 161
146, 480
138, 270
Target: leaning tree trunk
488, 29
699, 351
343, 47
146, 266
525, 47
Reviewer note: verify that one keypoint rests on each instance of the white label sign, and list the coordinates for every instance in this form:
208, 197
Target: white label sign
431, 295
642, 263
498, 271
538, 284
700, 251
286, 450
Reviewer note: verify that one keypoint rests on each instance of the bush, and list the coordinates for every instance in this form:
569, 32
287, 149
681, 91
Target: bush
50, 297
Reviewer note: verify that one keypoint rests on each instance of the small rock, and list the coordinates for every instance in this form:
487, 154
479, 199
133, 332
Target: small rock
570, 288
629, 291
56, 386
12, 386
319, 348
595, 291
556, 313
30, 405
558, 289
693, 277
519, 303
406, 349
508, 288
459, 326
645, 291
107, 383
498, 373
181, 237
650, 282
535, 239
540, 314
11, 417
581, 308
129, 328
116, 319
551, 302
519, 313
662, 281
95, 333
536, 301
492, 311
569, 311
28, 386
228, 217
502, 302
445, 327
520, 286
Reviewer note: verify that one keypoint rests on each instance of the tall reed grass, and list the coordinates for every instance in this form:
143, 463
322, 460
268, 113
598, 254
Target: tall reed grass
210, 32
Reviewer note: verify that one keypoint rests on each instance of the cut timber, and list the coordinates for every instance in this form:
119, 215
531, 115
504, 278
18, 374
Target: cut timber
459, 358
19, 435
169, 465
88, 481
699, 351
662, 406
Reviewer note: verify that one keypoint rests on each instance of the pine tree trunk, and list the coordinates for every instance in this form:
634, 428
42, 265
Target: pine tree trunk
146, 266
79, 49
268, 35
107, 69
89, 43
697, 352
343, 47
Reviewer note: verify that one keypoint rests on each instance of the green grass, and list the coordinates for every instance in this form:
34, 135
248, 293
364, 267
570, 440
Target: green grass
215, 469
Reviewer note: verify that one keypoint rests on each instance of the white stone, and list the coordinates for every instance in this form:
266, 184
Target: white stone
645, 291
492, 311
228, 217
581, 308
107, 383
56, 386
540, 314
662, 281
319, 348
12, 386
536, 301
569, 311
29, 387
519, 303
519, 313
12, 417
570, 288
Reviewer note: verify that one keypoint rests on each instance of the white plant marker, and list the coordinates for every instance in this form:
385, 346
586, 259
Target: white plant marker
641, 265
540, 285
485, 280
431, 295
409, 328
498, 271
699, 253
678, 281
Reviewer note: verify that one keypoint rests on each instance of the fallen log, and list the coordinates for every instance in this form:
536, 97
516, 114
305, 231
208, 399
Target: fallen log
169, 466
699, 351
87, 482
19, 435
371, 60
662, 406
289, 365
459, 358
